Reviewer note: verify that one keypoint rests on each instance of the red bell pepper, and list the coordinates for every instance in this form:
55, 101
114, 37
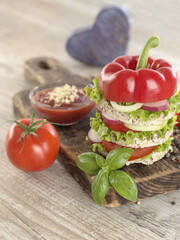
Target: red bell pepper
139, 79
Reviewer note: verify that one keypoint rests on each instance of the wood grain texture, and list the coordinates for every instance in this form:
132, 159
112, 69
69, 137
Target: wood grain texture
45, 69
50, 205
159, 178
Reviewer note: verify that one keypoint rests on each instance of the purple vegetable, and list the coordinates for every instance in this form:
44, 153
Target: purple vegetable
156, 106
107, 39
110, 120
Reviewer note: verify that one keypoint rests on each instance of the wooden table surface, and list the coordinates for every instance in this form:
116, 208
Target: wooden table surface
50, 204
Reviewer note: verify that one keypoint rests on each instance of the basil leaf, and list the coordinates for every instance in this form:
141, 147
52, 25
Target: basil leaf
100, 186
117, 158
100, 160
124, 184
87, 163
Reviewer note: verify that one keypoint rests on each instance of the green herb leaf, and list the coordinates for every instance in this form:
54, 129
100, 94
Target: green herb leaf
117, 158
124, 184
100, 186
87, 162
100, 160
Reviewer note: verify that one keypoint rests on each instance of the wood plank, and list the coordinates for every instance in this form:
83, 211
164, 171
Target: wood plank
45, 69
159, 178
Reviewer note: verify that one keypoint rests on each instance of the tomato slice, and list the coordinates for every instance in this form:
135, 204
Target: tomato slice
178, 119
138, 152
119, 127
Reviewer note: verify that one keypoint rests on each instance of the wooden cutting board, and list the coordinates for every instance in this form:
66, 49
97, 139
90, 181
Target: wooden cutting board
159, 178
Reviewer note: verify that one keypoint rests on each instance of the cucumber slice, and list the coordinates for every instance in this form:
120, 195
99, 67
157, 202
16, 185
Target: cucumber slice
129, 108
146, 128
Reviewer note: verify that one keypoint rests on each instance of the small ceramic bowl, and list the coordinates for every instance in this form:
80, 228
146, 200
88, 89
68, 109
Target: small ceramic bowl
52, 102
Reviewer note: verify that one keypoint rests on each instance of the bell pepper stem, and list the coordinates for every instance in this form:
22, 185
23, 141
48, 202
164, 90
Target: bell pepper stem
143, 58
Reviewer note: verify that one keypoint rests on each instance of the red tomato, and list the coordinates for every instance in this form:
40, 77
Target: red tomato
138, 152
178, 119
36, 155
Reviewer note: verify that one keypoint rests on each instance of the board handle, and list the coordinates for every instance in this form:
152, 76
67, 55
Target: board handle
46, 69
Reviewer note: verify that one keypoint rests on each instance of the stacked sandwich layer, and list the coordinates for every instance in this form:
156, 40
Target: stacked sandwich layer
147, 128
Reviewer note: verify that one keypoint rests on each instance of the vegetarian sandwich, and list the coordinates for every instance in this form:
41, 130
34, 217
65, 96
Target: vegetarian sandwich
136, 98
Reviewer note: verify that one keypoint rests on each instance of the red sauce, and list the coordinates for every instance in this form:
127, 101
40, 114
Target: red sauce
63, 114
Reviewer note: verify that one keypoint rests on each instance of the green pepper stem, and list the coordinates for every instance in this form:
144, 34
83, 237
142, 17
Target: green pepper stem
143, 58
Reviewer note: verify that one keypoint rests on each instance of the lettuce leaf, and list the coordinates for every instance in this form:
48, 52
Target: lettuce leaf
97, 147
161, 148
145, 116
175, 101
94, 93
107, 134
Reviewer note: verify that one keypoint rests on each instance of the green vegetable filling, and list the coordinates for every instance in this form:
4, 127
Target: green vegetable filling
161, 148
175, 101
107, 134
94, 93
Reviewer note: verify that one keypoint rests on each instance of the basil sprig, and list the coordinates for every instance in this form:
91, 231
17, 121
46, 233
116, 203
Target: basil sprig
107, 173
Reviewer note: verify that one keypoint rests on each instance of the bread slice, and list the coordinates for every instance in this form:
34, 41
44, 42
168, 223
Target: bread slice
105, 106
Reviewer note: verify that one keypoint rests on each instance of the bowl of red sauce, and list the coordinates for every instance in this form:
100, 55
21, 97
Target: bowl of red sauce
61, 103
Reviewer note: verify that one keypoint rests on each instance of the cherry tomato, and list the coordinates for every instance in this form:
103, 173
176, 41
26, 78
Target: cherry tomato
178, 119
138, 152
38, 153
